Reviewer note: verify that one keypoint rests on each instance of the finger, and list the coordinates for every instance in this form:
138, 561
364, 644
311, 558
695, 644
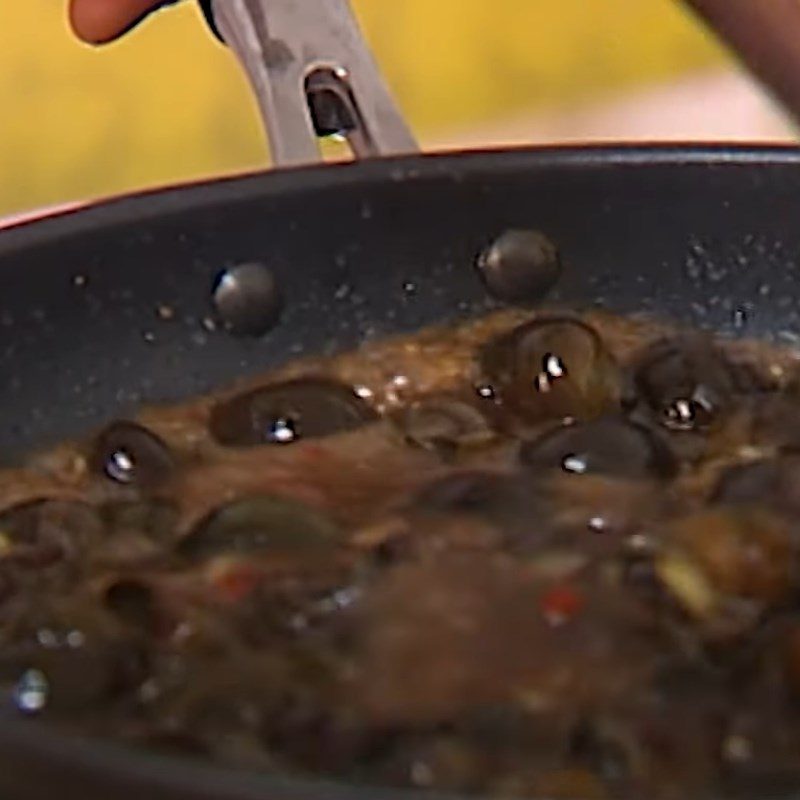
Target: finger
99, 21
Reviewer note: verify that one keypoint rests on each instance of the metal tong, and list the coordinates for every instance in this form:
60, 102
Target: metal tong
313, 76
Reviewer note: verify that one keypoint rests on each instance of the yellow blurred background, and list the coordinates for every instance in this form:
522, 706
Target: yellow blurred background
168, 104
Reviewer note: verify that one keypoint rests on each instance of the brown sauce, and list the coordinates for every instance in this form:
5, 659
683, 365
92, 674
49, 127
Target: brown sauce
533, 555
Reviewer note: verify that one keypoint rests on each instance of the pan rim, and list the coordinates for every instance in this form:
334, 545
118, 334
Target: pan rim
139, 206
91, 760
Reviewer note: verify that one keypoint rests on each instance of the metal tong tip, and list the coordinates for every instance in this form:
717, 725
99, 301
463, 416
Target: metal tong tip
313, 76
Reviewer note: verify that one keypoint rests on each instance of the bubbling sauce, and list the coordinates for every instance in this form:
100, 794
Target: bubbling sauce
547, 555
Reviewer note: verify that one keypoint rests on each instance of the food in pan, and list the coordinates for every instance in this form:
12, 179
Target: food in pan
536, 554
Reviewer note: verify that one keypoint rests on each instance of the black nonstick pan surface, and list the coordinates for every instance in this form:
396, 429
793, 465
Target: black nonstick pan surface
707, 236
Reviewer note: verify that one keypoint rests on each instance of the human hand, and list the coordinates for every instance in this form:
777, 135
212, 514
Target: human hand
100, 21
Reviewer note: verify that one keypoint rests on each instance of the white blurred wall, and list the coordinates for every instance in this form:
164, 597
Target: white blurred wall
720, 105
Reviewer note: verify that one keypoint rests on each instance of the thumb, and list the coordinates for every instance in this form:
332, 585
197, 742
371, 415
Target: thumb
100, 21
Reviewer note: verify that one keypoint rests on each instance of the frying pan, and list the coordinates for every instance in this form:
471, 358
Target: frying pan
703, 236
